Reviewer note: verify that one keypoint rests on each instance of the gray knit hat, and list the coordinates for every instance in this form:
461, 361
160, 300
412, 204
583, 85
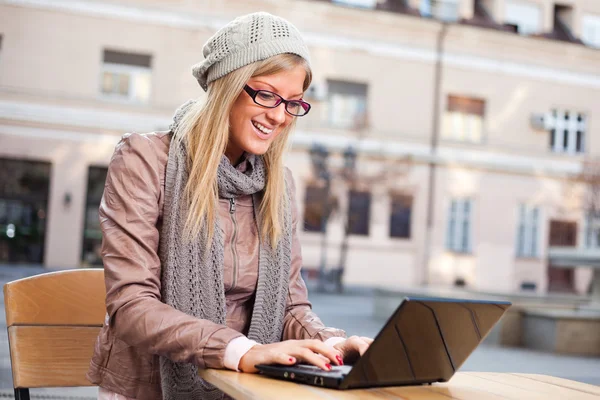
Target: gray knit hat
244, 40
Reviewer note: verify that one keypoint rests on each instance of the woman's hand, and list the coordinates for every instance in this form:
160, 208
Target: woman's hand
353, 347
289, 352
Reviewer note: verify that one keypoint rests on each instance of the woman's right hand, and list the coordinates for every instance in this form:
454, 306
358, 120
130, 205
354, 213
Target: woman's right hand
310, 351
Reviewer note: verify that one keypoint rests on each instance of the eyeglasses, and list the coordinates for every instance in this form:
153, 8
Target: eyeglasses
297, 108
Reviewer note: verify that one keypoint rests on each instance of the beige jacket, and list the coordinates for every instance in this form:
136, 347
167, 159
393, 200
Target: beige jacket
139, 327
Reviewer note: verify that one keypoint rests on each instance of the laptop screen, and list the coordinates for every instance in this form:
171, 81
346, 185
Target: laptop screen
426, 340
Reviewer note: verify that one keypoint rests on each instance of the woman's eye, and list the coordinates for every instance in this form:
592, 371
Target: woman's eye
294, 106
265, 96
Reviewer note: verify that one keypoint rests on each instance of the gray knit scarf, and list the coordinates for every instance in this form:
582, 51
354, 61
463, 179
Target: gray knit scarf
192, 278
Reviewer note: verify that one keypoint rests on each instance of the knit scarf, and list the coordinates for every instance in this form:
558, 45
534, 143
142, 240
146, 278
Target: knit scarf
192, 272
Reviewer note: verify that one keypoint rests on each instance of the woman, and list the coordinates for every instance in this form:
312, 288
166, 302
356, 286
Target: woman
202, 262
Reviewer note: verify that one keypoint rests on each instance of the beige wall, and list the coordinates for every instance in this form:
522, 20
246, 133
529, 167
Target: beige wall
50, 109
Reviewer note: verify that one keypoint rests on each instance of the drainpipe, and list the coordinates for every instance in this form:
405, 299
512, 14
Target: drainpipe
433, 146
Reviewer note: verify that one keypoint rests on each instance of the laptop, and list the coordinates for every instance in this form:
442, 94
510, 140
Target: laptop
426, 340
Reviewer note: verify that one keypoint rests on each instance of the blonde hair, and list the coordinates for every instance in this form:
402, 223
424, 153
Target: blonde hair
204, 130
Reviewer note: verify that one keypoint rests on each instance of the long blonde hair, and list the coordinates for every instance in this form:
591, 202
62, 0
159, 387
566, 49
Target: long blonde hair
204, 130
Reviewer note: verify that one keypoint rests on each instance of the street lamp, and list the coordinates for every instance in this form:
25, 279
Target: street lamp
349, 161
319, 155
350, 156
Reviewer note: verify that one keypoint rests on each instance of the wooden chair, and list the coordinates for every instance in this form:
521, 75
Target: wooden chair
53, 320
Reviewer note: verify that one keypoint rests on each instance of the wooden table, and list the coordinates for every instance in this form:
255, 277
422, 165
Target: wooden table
463, 386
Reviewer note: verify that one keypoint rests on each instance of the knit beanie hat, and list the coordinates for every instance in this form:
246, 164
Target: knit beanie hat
245, 40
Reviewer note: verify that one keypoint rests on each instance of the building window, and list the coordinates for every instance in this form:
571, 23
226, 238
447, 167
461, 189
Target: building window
524, 16
92, 235
359, 210
592, 232
591, 30
463, 119
126, 76
24, 191
567, 131
446, 10
563, 23
357, 3
314, 203
458, 237
528, 231
400, 216
347, 104
563, 233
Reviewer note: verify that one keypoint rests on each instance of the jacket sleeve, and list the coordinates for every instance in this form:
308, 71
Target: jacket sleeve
300, 321
129, 213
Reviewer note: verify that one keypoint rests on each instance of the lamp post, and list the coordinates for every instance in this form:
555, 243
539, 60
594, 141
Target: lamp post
350, 161
319, 155
349, 174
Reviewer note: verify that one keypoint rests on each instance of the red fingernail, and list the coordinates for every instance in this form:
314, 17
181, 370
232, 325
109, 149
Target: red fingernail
328, 366
291, 360
339, 359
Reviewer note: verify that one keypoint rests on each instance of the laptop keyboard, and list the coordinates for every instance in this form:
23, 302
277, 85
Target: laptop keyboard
334, 368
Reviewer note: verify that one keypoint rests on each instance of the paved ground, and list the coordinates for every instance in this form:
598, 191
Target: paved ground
354, 313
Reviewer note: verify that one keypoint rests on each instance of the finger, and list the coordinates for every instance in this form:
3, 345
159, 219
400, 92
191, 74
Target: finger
342, 349
362, 347
276, 358
366, 339
333, 355
311, 357
323, 358
355, 344
284, 359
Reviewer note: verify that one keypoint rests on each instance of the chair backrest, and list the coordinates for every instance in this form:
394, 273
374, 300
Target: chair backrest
53, 320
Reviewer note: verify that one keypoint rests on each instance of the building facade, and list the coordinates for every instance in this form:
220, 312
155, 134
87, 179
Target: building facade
470, 120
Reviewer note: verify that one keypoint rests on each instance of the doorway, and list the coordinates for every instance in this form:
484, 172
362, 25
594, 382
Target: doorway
92, 235
24, 188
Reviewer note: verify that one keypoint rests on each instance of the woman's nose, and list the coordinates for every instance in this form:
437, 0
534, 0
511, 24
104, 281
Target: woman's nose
277, 115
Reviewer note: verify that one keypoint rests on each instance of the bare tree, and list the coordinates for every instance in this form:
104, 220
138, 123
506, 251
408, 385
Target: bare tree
590, 177
392, 175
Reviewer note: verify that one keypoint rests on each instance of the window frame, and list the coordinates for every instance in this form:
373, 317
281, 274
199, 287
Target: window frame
406, 202
528, 236
358, 119
353, 228
519, 22
456, 241
574, 131
440, 9
464, 111
133, 72
591, 230
318, 205
364, 4
588, 22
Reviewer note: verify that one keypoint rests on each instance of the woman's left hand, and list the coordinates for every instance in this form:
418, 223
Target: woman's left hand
353, 347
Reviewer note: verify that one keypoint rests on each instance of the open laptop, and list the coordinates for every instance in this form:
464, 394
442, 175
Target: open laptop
426, 340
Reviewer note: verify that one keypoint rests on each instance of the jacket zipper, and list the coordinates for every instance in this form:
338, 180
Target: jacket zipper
233, 242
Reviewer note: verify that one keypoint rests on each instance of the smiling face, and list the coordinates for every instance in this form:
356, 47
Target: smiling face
252, 128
